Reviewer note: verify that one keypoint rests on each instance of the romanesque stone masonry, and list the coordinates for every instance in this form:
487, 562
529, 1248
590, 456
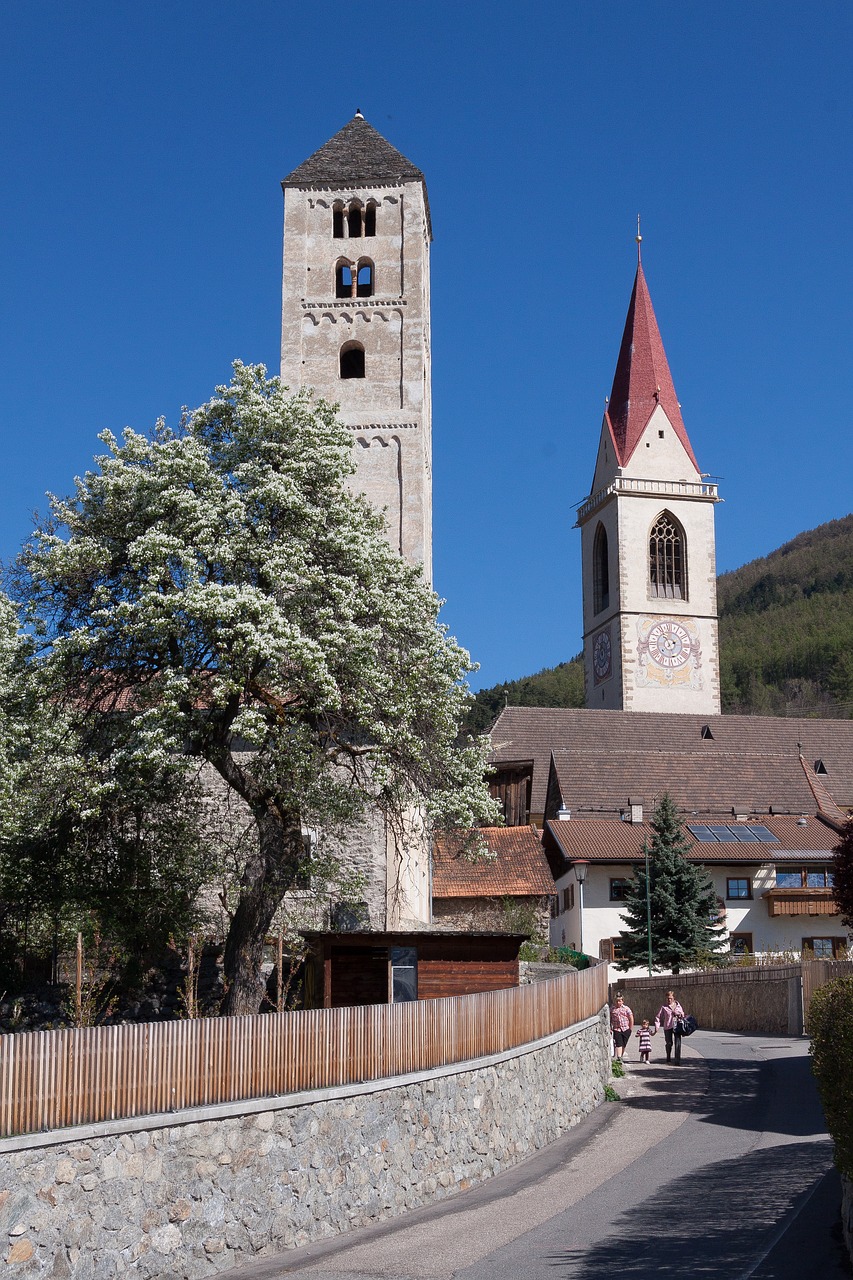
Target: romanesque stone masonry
193, 1199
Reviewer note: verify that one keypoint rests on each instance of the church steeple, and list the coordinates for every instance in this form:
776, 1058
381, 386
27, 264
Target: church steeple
647, 533
642, 380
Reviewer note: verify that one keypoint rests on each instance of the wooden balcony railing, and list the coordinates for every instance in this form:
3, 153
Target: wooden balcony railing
800, 902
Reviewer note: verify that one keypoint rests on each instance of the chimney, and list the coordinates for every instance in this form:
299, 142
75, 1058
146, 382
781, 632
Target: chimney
635, 808
563, 813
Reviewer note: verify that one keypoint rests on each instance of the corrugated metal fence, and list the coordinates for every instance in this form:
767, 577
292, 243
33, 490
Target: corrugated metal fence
51, 1079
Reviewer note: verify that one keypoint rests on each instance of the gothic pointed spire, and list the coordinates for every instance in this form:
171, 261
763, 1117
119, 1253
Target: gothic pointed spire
642, 380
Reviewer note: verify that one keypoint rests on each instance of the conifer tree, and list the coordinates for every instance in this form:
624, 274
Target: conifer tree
684, 908
842, 875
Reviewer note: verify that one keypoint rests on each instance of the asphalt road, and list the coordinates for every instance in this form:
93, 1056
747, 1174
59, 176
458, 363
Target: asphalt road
718, 1170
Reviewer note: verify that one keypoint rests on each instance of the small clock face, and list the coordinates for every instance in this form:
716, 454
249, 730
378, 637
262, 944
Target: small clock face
601, 655
669, 644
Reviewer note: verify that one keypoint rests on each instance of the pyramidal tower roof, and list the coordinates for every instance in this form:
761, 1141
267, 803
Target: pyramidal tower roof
356, 156
642, 379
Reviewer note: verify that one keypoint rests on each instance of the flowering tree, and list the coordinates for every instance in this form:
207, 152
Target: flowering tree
220, 593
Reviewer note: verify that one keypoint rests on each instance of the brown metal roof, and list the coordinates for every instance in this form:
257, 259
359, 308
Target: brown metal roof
609, 840
604, 758
517, 868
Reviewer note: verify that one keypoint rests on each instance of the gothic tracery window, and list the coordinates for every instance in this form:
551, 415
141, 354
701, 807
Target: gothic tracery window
600, 571
667, 559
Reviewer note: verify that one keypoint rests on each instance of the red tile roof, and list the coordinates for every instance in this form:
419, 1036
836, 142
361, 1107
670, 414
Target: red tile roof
609, 840
518, 867
604, 758
642, 379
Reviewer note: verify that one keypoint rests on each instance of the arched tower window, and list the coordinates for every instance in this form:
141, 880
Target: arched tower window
354, 220
338, 221
343, 280
352, 360
600, 571
667, 559
364, 288
370, 218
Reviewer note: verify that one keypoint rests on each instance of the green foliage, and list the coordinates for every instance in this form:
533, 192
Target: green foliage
560, 686
786, 638
617, 1068
219, 588
831, 1029
842, 875
684, 908
610, 1094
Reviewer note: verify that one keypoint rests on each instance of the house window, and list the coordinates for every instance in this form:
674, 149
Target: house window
600, 571
667, 560
352, 360
803, 878
740, 944
404, 974
364, 286
569, 898
619, 890
738, 887
826, 948
555, 905
605, 949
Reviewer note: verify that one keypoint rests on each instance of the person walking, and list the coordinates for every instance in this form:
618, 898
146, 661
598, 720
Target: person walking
644, 1035
669, 1017
621, 1024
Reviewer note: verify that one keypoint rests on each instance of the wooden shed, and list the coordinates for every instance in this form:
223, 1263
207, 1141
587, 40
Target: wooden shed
387, 968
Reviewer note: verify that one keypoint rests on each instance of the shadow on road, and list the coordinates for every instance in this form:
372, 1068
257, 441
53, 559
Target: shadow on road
710, 1222
741, 1094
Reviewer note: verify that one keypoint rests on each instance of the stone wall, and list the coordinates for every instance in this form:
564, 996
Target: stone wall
490, 915
760, 999
190, 1195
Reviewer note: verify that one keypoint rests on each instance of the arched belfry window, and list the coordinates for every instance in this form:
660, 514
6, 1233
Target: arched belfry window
343, 280
364, 288
352, 360
354, 220
667, 559
370, 218
600, 571
338, 221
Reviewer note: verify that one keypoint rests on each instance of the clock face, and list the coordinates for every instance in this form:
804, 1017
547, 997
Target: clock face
601, 655
669, 644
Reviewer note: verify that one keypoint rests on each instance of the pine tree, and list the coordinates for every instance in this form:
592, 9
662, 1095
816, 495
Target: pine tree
842, 875
684, 908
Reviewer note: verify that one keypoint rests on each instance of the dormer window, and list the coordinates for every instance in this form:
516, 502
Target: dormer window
819, 767
667, 559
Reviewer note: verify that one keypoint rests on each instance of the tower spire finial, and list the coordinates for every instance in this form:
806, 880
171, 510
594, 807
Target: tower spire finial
639, 240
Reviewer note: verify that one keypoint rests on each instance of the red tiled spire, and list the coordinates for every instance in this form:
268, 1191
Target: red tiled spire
642, 378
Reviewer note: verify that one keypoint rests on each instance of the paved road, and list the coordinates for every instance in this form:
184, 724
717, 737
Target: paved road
719, 1170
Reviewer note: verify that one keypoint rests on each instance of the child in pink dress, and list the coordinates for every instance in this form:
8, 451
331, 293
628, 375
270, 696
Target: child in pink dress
644, 1035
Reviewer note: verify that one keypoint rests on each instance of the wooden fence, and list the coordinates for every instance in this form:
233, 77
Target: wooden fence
816, 973
51, 1079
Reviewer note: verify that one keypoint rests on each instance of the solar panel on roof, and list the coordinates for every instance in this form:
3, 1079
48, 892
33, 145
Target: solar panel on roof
701, 833
764, 835
723, 834
743, 833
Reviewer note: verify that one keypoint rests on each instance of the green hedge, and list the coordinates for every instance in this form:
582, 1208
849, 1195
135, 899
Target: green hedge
831, 1029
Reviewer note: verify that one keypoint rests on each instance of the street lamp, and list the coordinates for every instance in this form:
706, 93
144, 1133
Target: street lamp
648, 906
581, 866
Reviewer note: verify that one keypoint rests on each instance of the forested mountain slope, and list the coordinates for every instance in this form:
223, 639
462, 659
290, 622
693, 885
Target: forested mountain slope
786, 637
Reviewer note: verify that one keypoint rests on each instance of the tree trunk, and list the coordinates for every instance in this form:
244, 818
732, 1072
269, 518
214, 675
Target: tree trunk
269, 873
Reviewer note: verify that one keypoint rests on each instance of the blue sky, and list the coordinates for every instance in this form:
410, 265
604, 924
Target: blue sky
142, 148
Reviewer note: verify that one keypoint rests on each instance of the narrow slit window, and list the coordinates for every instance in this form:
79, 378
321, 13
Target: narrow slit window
338, 222
352, 360
600, 571
370, 220
354, 221
667, 573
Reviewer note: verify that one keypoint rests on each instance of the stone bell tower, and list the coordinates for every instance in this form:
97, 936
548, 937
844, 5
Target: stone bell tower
355, 316
647, 537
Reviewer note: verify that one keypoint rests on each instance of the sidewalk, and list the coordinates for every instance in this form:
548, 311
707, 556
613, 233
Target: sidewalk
434, 1242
